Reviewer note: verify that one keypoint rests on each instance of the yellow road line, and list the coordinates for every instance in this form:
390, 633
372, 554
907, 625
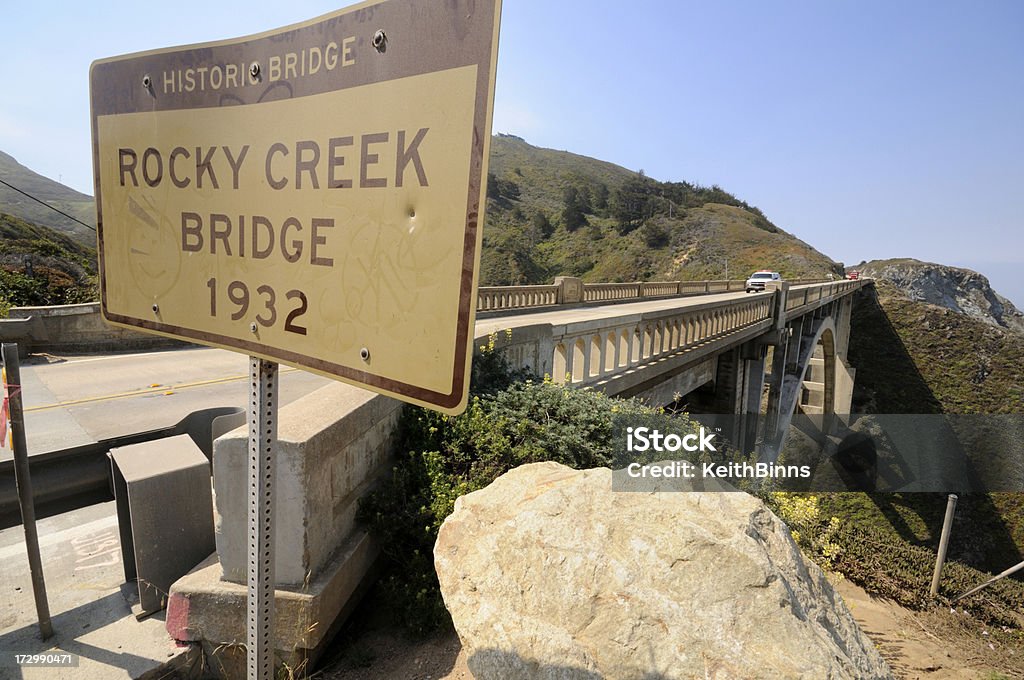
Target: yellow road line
139, 393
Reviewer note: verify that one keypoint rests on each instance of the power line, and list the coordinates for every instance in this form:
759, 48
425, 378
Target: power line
42, 202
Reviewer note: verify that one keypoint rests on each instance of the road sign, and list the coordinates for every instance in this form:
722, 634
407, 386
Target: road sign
311, 195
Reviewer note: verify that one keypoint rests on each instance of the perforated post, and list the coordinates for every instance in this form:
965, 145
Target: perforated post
260, 601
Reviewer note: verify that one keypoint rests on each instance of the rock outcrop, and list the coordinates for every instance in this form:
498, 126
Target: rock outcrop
960, 290
548, 573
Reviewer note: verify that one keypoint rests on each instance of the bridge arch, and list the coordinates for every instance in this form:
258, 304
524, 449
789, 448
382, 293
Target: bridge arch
579, 358
807, 392
596, 365
818, 382
609, 353
560, 364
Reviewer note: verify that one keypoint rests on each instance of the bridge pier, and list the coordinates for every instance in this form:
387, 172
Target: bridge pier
737, 389
816, 380
754, 360
779, 338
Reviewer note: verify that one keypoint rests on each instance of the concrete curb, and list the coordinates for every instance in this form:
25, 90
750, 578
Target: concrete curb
205, 609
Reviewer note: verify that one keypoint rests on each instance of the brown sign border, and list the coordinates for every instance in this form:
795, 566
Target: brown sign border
421, 38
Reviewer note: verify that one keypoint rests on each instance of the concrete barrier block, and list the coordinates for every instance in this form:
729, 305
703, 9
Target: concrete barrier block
333, 445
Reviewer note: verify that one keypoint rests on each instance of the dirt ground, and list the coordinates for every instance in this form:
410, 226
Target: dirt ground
917, 646
387, 654
936, 645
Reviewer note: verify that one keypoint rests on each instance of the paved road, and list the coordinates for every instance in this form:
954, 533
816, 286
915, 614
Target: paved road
77, 400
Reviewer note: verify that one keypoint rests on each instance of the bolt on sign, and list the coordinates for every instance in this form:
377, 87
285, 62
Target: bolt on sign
312, 195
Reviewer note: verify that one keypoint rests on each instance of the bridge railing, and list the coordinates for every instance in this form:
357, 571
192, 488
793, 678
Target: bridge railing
586, 352
589, 352
801, 297
80, 328
568, 290
600, 292
493, 298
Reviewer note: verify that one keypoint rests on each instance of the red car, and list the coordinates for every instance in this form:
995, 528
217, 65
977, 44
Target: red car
853, 275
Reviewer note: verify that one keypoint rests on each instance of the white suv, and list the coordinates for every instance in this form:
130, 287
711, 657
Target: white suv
758, 279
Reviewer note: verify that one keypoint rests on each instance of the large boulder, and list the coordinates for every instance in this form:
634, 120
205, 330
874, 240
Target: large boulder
548, 573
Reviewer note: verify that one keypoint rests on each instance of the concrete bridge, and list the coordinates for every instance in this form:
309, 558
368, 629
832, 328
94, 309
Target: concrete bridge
769, 355
723, 351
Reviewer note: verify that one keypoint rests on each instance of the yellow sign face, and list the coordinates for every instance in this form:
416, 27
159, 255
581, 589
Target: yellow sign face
281, 197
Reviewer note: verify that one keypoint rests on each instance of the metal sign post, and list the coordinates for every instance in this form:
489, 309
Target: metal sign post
262, 435
24, 483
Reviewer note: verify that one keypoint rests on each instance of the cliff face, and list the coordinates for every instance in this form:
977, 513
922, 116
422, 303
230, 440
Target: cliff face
958, 290
934, 339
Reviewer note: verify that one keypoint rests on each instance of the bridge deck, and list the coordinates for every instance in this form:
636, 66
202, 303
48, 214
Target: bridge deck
577, 314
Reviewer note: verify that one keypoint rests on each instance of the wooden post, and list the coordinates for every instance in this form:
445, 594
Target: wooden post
940, 558
1012, 570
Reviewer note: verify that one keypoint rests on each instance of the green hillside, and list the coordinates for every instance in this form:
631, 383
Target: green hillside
54, 193
553, 213
41, 266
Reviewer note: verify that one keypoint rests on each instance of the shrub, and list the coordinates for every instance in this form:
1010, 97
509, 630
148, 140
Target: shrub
814, 532
441, 458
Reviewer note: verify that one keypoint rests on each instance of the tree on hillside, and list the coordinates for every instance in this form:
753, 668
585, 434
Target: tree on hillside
629, 204
500, 189
508, 260
573, 216
654, 234
585, 199
493, 190
542, 225
601, 196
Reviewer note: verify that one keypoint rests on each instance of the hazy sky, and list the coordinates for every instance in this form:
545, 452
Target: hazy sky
868, 129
